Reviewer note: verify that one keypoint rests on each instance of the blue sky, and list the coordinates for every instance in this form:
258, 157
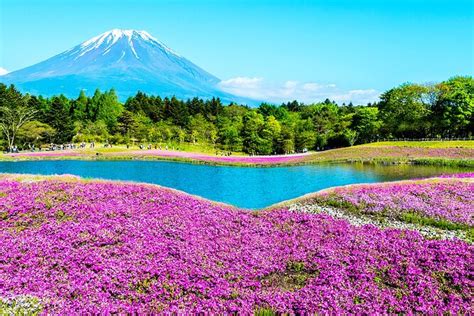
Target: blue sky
344, 49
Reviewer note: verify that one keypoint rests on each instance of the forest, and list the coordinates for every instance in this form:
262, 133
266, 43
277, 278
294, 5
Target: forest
409, 111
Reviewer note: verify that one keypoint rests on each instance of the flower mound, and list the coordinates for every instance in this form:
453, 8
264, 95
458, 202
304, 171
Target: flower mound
450, 198
104, 247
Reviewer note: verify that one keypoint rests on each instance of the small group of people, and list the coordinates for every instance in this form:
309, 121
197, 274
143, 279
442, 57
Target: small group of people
141, 146
91, 145
53, 147
13, 149
155, 146
223, 153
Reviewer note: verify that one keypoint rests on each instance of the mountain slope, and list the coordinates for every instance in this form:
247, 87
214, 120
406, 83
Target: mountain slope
126, 60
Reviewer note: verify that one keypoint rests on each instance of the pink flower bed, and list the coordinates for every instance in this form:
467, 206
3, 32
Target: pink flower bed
275, 159
458, 175
368, 152
260, 160
105, 247
449, 198
62, 153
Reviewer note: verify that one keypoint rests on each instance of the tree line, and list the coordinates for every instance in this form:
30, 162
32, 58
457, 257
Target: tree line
410, 110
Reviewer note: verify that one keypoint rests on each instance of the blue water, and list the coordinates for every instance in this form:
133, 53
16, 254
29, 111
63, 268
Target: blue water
247, 187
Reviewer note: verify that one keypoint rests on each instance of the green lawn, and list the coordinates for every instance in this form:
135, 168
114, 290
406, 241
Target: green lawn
187, 147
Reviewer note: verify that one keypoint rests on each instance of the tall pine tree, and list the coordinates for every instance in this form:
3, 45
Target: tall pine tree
58, 117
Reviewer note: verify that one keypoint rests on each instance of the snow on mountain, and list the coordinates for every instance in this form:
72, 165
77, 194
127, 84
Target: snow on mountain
126, 60
113, 36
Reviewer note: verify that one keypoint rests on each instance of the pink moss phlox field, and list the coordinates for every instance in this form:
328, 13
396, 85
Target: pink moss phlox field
458, 175
254, 160
395, 152
451, 197
105, 247
362, 152
275, 159
65, 153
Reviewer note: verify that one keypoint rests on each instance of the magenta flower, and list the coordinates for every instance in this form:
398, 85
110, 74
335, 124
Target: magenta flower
108, 247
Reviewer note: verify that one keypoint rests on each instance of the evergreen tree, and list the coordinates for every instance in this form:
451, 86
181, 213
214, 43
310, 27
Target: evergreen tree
58, 117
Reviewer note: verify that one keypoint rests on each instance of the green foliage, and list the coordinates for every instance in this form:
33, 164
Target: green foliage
15, 112
294, 277
408, 111
454, 107
404, 111
58, 117
415, 218
265, 312
35, 132
366, 123
91, 131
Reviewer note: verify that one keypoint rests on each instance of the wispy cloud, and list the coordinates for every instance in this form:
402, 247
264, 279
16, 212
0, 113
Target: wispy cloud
3, 71
260, 89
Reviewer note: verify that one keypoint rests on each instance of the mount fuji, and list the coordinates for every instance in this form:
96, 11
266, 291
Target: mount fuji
126, 60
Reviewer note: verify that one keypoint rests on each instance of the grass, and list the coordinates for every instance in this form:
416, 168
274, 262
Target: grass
467, 163
265, 312
414, 218
186, 147
293, 278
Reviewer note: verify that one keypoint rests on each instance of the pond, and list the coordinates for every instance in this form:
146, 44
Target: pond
247, 187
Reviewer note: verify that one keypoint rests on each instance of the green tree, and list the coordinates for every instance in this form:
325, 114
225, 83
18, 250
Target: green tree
454, 107
161, 132
404, 111
58, 118
35, 132
79, 107
91, 131
142, 127
126, 124
366, 123
252, 124
109, 109
200, 130
14, 113
229, 137
270, 135
287, 139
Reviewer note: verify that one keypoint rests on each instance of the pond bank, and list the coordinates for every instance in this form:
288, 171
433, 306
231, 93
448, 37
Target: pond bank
439, 207
372, 154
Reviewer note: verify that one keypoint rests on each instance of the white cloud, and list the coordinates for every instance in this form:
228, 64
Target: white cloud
3, 71
260, 89
357, 96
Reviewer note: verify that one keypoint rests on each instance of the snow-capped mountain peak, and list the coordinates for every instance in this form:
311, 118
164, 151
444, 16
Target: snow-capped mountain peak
127, 60
107, 40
